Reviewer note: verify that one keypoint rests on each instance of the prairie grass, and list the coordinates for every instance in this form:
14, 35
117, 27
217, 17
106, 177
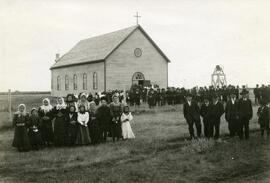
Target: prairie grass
159, 154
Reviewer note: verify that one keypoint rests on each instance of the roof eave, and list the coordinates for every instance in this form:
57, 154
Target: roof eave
81, 63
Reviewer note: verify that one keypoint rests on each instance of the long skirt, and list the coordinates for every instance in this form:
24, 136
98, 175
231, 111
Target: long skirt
127, 132
46, 132
60, 131
21, 139
72, 134
83, 137
35, 139
94, 131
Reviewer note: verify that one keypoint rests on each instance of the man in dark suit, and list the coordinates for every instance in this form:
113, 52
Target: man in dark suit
191, 112
231, 115
205, 113
256, 92
245, 114
216, 112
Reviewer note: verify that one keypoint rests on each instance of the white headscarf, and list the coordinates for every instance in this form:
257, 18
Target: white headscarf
61, 106
24, 111
85, 103
46, 108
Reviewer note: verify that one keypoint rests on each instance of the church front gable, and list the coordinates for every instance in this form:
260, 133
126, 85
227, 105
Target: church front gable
138, 61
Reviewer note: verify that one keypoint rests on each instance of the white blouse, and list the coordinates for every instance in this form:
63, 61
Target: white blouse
83, 118
126, 116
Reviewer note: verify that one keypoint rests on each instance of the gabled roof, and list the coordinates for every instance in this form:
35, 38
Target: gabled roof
99, 48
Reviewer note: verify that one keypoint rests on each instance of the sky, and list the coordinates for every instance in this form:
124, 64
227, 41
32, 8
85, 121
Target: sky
196, 35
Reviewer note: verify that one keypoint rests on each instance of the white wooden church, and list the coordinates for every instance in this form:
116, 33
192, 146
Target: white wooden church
111, 61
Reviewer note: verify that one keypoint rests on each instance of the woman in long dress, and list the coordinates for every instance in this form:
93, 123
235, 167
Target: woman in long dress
34, 130
72, 125
93, 125
126, 117
46, 115
116, 111
21, 121
83, 137
60, 126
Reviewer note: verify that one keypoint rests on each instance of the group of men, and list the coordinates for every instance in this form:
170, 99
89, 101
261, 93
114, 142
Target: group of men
171, 96
238, 113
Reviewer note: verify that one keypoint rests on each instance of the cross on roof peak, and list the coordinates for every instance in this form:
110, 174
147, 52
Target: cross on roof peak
137, 18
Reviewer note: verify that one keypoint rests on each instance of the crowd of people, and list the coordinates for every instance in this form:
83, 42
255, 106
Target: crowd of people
71, 123
90, 119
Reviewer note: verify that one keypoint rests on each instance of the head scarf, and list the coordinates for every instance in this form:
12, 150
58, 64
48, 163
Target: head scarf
61, 106
46, 108
85, 103
24, 111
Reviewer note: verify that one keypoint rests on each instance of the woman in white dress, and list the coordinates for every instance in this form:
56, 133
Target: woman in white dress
126, 117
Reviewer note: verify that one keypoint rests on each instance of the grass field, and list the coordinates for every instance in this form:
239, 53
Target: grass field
159, 153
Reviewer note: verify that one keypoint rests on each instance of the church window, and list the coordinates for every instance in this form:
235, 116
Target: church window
58, 83
66, 83
95, 81
75, 82
84, 81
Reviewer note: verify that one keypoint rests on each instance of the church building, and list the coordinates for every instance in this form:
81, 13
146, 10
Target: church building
116, 60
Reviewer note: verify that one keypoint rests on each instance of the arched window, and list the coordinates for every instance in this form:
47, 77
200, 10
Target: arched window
58, 83
75, 82
95, 81
66, 83
84, 81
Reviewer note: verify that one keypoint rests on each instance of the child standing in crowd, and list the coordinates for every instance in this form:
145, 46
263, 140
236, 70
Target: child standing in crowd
72, 125
126, 117
60, 128
34, 130
116, 111
83, 137
45, 113
21, 122
104, 118
263, 114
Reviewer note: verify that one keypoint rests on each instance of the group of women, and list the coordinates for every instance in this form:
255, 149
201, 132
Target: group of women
71, 123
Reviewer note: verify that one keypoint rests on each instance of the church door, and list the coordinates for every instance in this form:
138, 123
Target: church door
138, 79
